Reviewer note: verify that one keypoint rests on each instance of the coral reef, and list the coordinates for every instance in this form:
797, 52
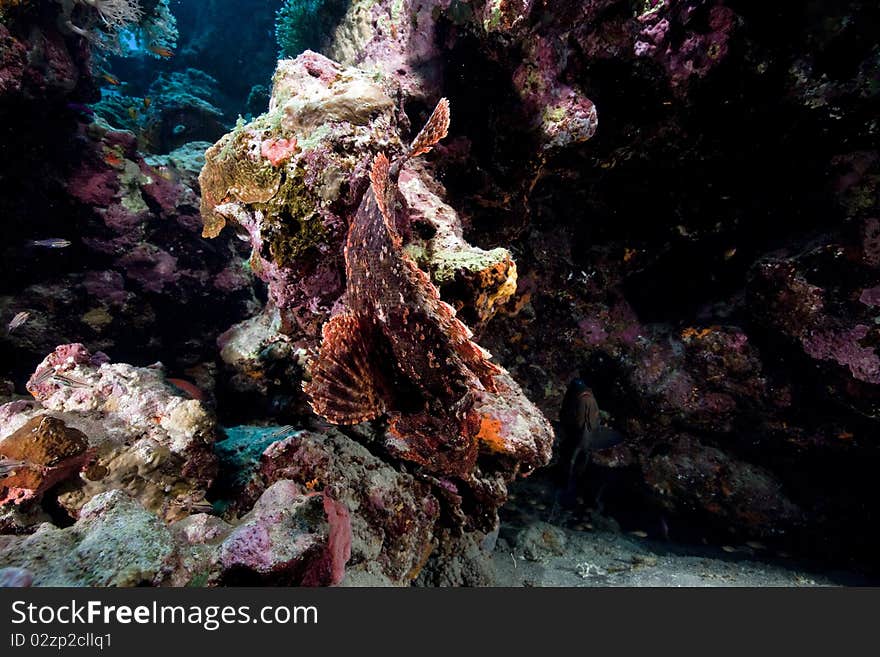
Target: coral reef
300, 167
306, 24
704, 321
705, 257
175, 110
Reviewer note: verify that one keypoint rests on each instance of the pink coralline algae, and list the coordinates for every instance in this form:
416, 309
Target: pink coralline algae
279, 540
278, 151
151, 267
107, 286
332, 568
870, 296
562, 113
97, 188
845, 348
704, 42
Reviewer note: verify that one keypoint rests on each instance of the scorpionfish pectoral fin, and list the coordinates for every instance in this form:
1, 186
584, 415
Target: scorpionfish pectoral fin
345, 388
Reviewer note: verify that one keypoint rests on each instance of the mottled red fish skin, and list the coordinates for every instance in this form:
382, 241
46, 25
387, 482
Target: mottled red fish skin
394, 309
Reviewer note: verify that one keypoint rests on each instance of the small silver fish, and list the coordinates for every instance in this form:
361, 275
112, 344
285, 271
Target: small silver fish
9, 466
18, 320
52, 243
43, 376
69, 381
286, 429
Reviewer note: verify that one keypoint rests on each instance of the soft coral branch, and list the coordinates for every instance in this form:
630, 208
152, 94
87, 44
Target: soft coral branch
115, 14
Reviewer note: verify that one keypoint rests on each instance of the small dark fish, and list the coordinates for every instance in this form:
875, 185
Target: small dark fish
52, 243
69, 381
581, 429
17, 321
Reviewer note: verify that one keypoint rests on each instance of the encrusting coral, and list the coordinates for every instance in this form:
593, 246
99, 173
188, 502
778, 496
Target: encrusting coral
38, 455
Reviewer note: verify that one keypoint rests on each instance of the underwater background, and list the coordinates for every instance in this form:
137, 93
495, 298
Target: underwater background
274, 312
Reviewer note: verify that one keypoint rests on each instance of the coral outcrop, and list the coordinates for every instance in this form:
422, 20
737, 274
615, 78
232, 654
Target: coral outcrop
125, 428
340, 255
705, 322
38, 455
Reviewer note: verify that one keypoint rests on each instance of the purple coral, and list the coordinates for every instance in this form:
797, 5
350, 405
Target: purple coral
703, 45
844, 347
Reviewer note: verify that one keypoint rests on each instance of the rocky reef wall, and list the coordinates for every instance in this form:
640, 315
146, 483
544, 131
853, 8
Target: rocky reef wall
690, 191
675, 200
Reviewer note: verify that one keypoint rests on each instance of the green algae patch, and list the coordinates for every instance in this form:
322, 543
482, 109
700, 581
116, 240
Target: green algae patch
130, 183
293, 225
445, 264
